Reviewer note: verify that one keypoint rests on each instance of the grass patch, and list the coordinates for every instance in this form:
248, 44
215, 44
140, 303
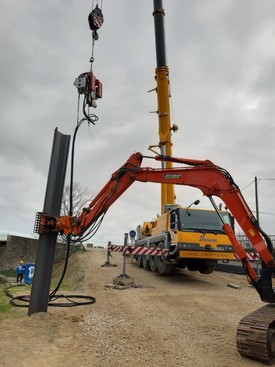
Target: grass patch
74, 277
9, 273
5, 306
13, 291
72, 281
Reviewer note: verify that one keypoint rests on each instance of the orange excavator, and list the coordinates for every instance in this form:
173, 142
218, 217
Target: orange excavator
256, 332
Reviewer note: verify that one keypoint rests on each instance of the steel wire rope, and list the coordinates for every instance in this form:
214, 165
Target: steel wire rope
90, 118
53, 295
93, 2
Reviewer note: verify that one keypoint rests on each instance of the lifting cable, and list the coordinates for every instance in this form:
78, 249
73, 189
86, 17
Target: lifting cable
91, 88
88, 85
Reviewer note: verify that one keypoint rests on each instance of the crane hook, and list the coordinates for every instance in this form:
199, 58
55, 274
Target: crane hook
95, 20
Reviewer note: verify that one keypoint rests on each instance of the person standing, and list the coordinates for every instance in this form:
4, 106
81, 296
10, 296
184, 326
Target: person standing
20, 271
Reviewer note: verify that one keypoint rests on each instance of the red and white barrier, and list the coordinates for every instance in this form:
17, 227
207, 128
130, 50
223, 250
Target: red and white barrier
135, 250
250, 255
115, 248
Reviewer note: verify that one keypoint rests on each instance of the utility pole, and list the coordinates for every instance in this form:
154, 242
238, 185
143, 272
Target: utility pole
256, 199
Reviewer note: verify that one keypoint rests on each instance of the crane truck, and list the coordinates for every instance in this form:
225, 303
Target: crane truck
195, 235
194, 238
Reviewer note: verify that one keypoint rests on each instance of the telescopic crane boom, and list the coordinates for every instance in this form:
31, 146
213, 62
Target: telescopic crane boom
163, 95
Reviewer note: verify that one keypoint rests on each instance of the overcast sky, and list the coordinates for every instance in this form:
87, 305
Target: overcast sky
221, 57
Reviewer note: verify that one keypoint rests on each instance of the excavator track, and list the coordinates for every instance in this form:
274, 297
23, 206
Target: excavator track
256, 335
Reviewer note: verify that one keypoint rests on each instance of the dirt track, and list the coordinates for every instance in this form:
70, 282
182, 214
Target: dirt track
186, 319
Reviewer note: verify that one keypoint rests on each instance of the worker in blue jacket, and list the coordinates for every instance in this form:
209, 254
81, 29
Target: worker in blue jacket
20, 271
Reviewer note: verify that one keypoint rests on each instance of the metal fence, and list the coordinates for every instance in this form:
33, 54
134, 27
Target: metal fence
244, 241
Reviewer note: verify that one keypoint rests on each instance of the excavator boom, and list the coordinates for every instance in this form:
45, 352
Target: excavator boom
212, 180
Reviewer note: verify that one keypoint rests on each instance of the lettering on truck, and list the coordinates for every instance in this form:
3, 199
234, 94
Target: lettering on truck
205, 239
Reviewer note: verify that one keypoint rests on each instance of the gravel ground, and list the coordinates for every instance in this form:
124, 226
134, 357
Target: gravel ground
185, 319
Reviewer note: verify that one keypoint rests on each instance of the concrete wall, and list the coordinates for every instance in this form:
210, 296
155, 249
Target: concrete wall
17, 248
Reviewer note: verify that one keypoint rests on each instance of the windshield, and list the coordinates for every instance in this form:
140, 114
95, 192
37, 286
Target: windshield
202, 220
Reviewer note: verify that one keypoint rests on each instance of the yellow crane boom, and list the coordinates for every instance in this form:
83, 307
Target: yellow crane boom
163, 95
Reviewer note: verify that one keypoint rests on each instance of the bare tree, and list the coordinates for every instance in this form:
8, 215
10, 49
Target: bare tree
81, 197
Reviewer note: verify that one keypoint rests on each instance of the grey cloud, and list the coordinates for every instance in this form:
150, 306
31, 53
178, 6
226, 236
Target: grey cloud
221, 58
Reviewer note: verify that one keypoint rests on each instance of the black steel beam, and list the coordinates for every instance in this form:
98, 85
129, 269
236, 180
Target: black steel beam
47, 242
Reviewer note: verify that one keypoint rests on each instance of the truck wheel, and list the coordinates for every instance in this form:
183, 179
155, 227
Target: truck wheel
153, 260
139, 261
181, 264
193, 266
145, 262
162, 266
207, 267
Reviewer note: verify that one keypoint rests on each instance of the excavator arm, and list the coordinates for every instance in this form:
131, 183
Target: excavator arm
212, 180
256, 332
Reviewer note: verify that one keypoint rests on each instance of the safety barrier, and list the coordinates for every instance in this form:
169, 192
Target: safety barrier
141, 250
135, 250
250, 255
115, 248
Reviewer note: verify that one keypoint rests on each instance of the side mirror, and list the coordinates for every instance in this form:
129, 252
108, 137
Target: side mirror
173, 221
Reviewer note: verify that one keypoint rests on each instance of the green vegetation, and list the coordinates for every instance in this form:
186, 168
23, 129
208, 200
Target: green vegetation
4, 303
4, 300
74, 275
72, 281
9, 273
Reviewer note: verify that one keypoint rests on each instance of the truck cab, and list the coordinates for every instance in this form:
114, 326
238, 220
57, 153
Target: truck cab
194, 238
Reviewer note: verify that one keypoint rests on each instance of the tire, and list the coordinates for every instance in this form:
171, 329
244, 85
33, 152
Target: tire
153, 261
193, 266
145, 262
181, 264
162, 266
207, 267
139, 261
